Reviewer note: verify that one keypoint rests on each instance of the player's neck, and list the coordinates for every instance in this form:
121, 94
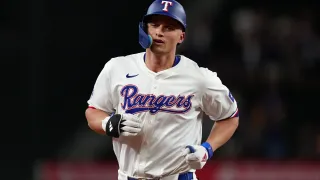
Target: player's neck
157, 63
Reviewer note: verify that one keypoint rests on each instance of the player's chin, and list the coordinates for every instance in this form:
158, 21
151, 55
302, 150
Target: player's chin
158, 49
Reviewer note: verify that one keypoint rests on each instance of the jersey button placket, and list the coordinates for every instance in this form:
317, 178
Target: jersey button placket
155, 90
155, 86
144, 148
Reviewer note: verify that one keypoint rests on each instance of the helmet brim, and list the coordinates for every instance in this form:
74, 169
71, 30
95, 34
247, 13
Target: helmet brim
146, 18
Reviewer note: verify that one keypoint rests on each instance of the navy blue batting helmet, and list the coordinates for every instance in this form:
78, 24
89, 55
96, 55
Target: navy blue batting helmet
170, 8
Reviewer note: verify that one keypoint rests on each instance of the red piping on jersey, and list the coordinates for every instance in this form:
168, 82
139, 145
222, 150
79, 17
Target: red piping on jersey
91, 107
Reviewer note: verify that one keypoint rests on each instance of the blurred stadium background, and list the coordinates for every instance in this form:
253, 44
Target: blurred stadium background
266, 52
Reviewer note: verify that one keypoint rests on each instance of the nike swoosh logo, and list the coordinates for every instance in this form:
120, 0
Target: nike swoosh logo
128, 76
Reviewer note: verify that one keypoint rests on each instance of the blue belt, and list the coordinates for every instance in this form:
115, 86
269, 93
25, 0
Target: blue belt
183, 176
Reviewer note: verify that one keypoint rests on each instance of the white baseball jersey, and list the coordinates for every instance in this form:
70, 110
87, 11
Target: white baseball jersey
170, 103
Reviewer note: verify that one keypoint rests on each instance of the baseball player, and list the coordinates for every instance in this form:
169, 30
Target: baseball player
152, 103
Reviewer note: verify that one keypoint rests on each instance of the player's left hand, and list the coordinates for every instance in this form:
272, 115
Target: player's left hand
197, 156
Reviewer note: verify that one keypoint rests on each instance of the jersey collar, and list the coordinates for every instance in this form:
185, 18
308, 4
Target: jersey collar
165, 73
176, 59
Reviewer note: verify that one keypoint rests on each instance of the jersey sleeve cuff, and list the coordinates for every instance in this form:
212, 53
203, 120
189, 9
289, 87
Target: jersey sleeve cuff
99, 108
235, 114
92, 107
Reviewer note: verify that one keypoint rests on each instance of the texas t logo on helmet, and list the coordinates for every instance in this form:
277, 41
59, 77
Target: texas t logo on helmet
166, 3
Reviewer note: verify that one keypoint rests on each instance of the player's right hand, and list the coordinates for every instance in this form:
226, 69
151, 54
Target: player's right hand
122, 124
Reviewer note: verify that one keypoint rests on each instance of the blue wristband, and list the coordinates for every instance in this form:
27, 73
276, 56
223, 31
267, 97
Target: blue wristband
208, 148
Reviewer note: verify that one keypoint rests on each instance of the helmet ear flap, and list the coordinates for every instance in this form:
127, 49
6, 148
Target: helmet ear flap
145, 27
145, 40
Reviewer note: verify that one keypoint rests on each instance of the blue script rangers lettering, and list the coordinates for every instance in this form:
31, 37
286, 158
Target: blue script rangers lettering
134, 102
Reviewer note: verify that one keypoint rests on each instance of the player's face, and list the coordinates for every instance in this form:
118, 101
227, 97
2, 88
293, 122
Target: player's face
166, 34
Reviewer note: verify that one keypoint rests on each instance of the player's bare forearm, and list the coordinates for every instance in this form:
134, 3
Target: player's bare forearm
222, 131
94, 118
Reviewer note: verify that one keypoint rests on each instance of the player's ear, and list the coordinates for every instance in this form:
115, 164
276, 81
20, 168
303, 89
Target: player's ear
182, 37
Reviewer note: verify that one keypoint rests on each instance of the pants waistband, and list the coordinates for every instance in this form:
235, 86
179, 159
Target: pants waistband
182, 176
